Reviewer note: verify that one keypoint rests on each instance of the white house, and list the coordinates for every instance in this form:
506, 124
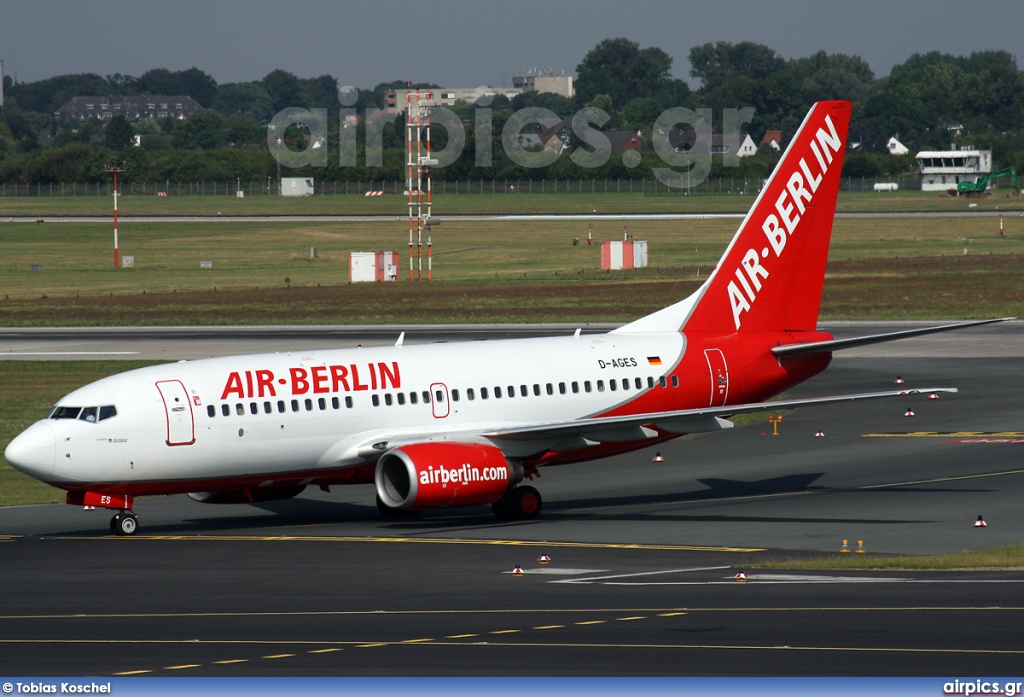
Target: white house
942, 170
895, 147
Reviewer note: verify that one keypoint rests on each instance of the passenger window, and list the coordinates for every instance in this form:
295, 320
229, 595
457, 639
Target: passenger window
109, 412
470, 395
309, 405
483, 393
536, 390
295, 405
387, 399
561, 388
413, 398
625, 384
375, 400
523, 391
439, 396
280, 406
225, 410
211, 411
549, 388
401, 398
662, 382
348, 402
335, 404
426, 397
268, 408
511, 390
612, 385
240, 410
586, 385
675, 381
575, 387
639, 383
322, 403
650, 382
254, 408
497, 392
455, 395
600, 385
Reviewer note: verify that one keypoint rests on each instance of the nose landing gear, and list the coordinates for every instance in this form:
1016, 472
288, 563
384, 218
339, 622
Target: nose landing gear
124, 523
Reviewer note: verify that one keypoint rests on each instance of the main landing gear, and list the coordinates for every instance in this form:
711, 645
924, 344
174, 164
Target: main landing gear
124, 523
520, 503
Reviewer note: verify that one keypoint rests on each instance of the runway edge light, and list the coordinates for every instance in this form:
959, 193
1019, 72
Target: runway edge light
980, 523
845, 548
741, 577
860, 546
910, 412
658, 457
544, 559
518, 571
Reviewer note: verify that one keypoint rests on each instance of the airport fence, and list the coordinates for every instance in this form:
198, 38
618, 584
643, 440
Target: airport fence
648, 187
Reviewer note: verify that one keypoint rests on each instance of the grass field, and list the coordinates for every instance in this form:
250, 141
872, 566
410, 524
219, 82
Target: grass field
455, 204
483, 271
1008, 557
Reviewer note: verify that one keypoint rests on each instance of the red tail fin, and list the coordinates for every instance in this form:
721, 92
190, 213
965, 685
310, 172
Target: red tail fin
770, 278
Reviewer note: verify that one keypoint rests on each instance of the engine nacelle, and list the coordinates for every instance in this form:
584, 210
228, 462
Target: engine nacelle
255, 495
443, 475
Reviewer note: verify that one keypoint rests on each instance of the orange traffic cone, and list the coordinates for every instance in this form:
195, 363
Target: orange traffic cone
518, 571
741, 577
544, 559
980, 523
658, 457
909, 412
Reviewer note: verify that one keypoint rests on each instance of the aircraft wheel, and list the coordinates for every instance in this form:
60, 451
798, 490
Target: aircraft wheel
525, 503
127, 524
501, 508
115, 523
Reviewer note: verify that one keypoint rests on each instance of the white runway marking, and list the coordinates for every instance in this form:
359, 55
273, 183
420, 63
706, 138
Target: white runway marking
772, 579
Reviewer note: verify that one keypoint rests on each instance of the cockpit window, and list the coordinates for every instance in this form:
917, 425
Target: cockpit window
90, 414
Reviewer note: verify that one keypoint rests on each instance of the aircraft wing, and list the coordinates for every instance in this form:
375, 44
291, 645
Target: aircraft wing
837, 344
637, 426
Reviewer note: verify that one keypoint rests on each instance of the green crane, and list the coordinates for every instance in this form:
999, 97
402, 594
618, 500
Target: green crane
979, 187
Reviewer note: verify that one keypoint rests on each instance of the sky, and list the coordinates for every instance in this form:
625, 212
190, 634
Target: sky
466, 43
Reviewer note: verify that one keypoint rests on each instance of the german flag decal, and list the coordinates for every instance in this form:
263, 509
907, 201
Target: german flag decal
654, 360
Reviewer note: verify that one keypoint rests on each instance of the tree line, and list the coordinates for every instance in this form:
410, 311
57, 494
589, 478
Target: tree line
931, 101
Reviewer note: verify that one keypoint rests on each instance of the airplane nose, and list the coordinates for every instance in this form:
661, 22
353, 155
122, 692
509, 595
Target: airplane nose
34, 451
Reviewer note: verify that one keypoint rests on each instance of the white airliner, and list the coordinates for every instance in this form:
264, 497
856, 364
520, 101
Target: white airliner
462, 424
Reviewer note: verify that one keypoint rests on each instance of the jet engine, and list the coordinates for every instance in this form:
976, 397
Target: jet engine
254, 495
443, 475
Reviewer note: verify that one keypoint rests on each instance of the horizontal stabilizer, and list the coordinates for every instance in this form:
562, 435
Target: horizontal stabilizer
838, 344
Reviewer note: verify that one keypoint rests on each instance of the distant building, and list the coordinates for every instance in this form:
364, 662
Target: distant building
624, 140
560, 84
942, 170
681, 140
895, 147
178, 108
772, 139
